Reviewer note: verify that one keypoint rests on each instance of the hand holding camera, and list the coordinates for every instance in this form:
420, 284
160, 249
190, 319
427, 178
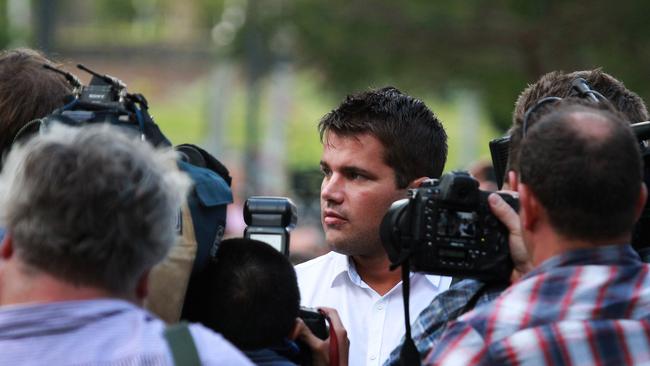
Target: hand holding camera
518, 252
330, 351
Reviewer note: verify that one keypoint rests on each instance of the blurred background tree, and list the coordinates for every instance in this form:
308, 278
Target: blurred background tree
494, 47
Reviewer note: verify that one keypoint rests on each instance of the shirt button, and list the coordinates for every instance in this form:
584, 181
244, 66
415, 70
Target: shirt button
380, 307
373, 357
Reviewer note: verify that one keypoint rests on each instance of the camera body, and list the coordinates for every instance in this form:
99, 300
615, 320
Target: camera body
270, 219
446, 227
315, 321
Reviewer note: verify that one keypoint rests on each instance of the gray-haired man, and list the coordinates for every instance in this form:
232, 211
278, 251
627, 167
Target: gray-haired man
88, 213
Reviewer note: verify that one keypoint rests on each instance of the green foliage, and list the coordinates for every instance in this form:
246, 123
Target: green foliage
180, 116
208, 12
4, 25
116, 10
495, 47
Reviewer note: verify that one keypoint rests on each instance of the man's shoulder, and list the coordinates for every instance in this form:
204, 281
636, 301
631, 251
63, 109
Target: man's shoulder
214, 349
268, 357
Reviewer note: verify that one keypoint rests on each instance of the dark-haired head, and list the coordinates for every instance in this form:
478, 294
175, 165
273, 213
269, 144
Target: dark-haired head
414, 140
584, 166
251, 294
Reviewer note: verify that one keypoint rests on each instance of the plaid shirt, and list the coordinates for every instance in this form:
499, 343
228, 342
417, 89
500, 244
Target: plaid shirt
444, 308
588, 307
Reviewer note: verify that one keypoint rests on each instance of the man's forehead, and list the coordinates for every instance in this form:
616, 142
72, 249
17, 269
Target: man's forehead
363, 141
332, 138
361, 151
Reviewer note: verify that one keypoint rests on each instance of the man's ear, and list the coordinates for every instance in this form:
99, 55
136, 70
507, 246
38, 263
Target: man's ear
529, 207
513, 180
417, 182
7, 249
142, 287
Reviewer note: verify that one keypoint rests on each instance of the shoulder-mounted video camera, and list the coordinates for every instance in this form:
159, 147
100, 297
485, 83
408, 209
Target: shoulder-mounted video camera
104, 100
446, 227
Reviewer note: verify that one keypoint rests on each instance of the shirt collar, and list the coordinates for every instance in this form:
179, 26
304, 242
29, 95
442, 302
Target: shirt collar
344, 265
602, 255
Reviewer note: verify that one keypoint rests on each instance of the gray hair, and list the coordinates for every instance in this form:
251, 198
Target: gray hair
91, 206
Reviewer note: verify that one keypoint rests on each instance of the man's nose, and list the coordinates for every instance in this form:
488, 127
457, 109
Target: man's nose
331, 189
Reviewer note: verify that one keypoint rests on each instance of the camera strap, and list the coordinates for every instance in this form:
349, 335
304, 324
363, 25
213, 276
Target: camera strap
334, 342
409, 354
181, 344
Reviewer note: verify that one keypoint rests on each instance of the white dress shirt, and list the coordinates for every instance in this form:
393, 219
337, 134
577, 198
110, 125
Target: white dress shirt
375, 324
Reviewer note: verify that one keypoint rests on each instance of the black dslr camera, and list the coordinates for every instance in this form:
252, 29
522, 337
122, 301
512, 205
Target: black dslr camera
270, 220
446, 227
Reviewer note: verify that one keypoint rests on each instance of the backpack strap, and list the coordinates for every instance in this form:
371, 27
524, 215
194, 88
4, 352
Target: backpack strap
181, 345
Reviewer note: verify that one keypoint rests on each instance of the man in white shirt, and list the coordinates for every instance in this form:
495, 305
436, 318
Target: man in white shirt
88, 213
376, 145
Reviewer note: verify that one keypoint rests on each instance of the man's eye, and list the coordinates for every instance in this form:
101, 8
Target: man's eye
325, 172
356, 176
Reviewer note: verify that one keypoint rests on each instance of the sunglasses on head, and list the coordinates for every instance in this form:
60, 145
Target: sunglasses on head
500, 147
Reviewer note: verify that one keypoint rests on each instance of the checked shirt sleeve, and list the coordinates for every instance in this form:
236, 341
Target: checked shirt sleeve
460, 344
444, 308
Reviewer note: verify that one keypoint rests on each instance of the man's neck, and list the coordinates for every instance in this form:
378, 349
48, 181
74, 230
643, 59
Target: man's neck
375, 272
19, 287
550, 244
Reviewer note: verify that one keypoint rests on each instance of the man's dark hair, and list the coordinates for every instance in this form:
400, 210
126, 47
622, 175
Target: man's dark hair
584, 166
252, 295
558, 84
414, 139
27, 91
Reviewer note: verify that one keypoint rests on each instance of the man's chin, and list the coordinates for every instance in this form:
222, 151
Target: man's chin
336, 244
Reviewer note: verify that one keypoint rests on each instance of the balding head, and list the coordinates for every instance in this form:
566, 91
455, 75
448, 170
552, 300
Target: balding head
584, 166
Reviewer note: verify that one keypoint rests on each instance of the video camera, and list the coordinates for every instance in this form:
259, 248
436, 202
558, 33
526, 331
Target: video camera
446, 227
104, 100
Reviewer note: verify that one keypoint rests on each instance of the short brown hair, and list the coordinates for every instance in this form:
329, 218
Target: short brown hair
27, 91
588, 182
558, 84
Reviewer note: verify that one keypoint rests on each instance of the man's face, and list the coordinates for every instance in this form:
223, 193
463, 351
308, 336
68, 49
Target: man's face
357, 190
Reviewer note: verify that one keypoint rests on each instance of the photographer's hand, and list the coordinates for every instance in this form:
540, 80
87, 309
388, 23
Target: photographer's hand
321, 348
518, 252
